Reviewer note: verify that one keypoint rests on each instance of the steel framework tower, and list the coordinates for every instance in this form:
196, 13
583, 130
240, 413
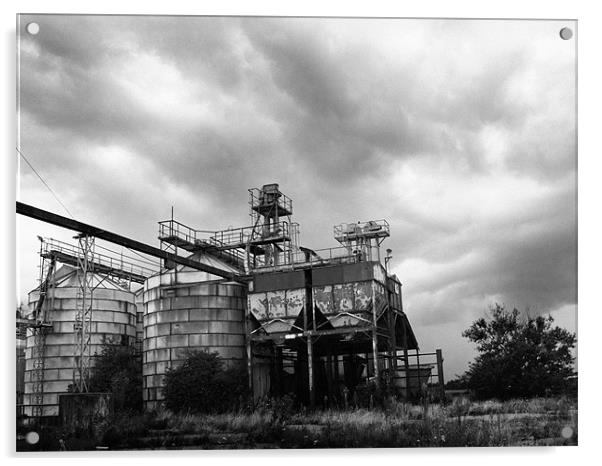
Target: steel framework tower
274, 233
83, 318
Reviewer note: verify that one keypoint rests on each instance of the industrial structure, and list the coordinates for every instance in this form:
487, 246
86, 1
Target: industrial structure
84, 301
314, 323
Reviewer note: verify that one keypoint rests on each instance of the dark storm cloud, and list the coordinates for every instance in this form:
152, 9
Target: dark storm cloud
460, 133
344, 115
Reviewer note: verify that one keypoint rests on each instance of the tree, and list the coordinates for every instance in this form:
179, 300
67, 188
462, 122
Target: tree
118, 370
519, 356
202, 384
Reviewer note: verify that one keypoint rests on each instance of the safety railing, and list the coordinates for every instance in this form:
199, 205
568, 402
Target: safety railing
282, 231
235, 253
173, 229
338, 255
369, 229
124, 264
259, 198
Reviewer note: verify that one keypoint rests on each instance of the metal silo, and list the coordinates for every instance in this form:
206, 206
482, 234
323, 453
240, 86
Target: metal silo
184, 310
49, 367
139, 318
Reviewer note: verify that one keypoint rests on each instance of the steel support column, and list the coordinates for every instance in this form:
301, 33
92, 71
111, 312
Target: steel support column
406, 364
83, 318
310, 373
440, 372
249, 349
418, 372
375, 338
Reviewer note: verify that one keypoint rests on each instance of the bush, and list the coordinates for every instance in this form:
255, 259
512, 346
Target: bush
201, 384
118, 370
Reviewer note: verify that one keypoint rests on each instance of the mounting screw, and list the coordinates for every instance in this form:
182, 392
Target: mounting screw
566, 33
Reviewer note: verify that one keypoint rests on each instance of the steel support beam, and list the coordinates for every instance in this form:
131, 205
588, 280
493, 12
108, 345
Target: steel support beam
90, 230
311, 333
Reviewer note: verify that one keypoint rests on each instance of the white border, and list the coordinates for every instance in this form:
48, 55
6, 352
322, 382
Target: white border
590, 80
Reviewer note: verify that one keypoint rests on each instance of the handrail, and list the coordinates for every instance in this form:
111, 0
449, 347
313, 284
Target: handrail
371, 228
51, 245
258, 198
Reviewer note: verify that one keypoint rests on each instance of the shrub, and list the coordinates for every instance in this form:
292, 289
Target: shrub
118, 370
201, 384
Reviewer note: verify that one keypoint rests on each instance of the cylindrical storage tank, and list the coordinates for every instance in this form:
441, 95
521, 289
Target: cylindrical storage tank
139, 318
187, 310
113, 322
20, 374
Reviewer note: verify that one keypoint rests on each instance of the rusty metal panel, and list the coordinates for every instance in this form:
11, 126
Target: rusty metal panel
344, 299
295, 300
345, 320
278, 326
363, 295
379, 293
337, 295
276, 304
258, 304
323, 298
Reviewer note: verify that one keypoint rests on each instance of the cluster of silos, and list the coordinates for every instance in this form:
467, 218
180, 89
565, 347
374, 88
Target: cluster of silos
175, 312
113, 323
186, 310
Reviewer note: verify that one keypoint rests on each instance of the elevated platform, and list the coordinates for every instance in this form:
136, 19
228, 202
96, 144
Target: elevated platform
347, 232
270, 202
103, 264
229, 245
98, 267
32, 323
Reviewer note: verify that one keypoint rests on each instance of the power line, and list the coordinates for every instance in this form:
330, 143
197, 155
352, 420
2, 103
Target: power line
143, 257
65, 207
129, 258
45, 184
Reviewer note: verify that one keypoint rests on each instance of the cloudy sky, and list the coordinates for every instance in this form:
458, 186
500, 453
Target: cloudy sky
460, 133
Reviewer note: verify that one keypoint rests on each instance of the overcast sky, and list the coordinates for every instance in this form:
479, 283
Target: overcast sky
460, 133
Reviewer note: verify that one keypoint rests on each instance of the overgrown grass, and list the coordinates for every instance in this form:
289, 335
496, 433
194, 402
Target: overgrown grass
460, 423
541, 421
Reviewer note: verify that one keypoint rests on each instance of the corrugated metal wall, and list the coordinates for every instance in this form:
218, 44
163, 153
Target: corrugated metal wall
182, 314
113, 322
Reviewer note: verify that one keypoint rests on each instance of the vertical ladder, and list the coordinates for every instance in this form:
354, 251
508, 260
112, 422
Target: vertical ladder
40, 329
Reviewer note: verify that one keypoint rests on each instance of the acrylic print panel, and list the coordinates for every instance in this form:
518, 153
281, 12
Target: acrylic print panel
301, 170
